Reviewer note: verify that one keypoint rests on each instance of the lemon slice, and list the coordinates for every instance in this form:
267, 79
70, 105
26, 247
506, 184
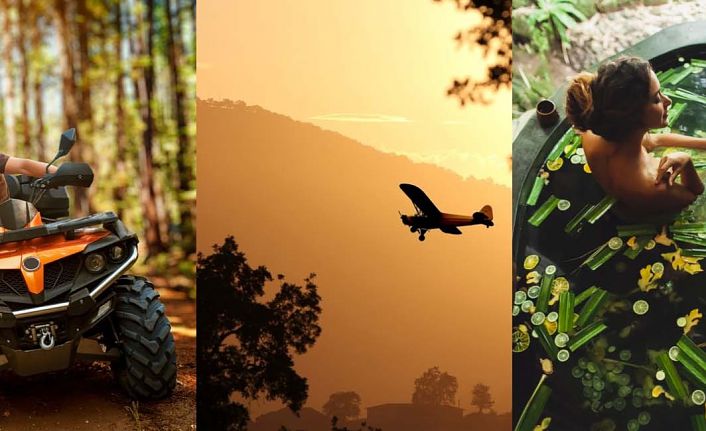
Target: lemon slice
657, 268
615, 243
531, 261
586, 168
555, 165
640, 307
650, 244
559, 285
520, 340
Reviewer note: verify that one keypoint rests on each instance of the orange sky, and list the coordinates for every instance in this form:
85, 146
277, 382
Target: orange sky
374, 71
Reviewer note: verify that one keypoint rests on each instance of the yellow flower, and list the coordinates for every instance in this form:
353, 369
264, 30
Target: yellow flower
543, 425
662, 238
692, 319
648, 279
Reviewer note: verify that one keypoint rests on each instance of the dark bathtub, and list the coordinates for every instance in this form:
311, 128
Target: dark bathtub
568, 409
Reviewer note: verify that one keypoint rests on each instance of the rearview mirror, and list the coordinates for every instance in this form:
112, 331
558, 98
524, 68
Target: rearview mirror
68, 139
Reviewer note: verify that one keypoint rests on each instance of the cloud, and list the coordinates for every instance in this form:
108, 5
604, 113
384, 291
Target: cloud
456, 123
362, 118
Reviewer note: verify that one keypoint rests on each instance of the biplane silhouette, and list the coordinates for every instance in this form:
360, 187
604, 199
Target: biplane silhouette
429, 217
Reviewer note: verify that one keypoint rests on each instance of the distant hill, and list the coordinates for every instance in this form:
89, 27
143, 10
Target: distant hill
301, 199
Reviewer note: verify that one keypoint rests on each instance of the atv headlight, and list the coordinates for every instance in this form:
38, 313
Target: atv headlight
95, 262
116, 253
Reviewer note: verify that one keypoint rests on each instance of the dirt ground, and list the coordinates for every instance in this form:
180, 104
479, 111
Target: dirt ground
86, 397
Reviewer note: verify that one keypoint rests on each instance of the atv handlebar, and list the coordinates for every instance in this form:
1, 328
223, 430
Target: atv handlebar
68, 174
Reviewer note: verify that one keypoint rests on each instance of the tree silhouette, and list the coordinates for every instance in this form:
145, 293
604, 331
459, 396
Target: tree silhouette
493, 35
481, 397
343, 405
245, 344
435, 388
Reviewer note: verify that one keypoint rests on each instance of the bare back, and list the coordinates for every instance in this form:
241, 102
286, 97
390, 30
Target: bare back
628, 173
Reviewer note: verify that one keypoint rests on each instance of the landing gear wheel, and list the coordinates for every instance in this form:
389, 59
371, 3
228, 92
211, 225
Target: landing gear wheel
147, 369
421, 237
413, 229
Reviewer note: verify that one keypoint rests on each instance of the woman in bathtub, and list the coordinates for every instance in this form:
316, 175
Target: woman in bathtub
613, 110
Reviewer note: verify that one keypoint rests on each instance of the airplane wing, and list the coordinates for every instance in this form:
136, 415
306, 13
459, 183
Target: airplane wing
420, 200
453, 230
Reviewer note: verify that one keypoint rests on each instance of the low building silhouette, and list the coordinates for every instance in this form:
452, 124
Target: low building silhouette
415, 417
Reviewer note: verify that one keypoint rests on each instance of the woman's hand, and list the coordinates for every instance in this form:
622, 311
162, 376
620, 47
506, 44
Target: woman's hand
671, 166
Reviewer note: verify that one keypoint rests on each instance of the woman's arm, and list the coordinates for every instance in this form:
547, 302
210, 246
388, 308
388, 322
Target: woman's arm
673, 140
15, 166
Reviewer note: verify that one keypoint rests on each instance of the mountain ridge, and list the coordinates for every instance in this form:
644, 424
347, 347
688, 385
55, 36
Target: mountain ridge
302, 199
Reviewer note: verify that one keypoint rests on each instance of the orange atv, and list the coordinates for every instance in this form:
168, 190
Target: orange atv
64, 295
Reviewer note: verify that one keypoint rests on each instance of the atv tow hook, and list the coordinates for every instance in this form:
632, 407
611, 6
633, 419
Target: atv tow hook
46, 340
44, 335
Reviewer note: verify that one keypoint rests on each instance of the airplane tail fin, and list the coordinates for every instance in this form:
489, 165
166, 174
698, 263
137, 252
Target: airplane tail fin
487, 210
485, 216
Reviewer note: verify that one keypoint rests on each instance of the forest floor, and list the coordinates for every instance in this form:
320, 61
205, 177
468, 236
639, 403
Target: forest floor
86, 397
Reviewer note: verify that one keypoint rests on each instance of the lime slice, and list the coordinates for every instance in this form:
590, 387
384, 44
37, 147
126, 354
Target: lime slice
551, 269
561, 340
537, 318
650, 244
527, 306
520, 340
563, 205
640, 307
563, 355
615, 243
673, 353
644, 418
580, 151
681, 322
553, 316
575, 159
533, 291
531, 261
555, 165
657, 268
698, 397
660, 375
515, 310
520, 297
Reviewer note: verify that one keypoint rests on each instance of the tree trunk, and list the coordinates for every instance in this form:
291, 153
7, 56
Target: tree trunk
144, 89
68, 91
184, 154
37, 78
8, 77
24, 79
119, 189
85, 106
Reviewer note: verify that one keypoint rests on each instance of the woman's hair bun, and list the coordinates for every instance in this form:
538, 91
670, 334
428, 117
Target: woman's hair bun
579, 101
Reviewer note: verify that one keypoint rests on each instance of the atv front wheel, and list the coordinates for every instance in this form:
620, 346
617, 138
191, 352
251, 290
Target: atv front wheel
147, 369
